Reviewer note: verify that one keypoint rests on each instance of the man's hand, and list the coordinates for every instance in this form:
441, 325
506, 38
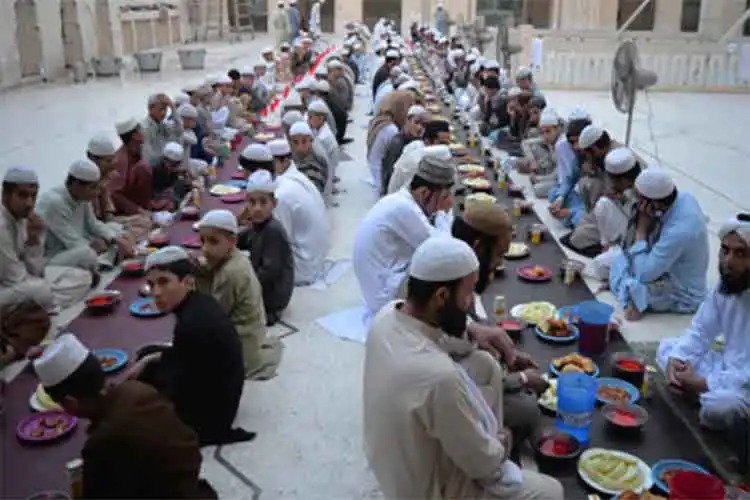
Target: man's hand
523, 361
535, 381
494, 340
690, 382
34, 229
137, 369
124, 247
98, 245
675, 366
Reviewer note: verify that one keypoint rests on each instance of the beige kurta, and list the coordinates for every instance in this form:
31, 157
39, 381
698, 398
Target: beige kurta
424, 433
234, 285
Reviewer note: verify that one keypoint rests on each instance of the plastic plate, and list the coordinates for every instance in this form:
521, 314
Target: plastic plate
118, 357
233, 198
572, 330
662, 466
554, 371
632, 390
45, 426
524, 272
238, 183
145, 308
645, 471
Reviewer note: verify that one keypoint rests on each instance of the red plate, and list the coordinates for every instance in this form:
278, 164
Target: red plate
192, 242
233, 198
45, 426
526, 273
239, 175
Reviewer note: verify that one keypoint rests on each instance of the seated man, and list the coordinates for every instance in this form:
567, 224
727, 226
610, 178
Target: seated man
75, 237
662, 266
433, 419
322, 134
413, 130
720, 381
158, 128
137, 447
394, 227
228, 276
132, 187
171, 179
24, 312
436, 134
565, 202
301, 140
206, 400
540, 160
268, 245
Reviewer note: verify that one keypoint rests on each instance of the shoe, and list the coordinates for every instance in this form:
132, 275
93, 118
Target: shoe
346, 140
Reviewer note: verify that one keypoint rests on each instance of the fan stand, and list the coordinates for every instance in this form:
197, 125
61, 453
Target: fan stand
631, 107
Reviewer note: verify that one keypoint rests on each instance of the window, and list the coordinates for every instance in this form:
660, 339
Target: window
746, 26
643, 22
691, 16
537, 13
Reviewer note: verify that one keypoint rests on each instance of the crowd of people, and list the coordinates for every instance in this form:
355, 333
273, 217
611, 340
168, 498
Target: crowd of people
443, 418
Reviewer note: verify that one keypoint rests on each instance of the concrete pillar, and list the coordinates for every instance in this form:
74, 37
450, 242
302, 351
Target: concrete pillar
668, 18
608, 15
712, 18
108, 27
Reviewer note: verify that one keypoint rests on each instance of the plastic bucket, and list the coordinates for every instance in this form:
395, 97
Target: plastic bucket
148, 61
576, 399
691, 485
593, 326
192, 59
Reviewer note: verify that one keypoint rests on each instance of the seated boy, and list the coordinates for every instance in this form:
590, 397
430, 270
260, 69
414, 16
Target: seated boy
201, 372
268, 244
228, 276
137, 446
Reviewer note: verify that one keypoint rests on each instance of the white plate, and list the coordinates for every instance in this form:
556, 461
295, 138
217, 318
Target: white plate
516, 311
517, 250
224, 189
545, 400
647, 483
35, 404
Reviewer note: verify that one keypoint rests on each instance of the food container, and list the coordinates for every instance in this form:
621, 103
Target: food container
132, 267
691, 485
513, 327
537, 230
625, 419
500, 307
192, 59
101, 304
149, 61
630, 368
516, 211
75, 477
556, 451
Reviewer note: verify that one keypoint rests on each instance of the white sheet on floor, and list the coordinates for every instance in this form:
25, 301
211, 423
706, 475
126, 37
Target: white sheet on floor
334, 270
348, 324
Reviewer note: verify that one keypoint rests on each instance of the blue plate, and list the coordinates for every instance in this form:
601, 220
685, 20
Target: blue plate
554, 371
559, 340
565, 312
140, 310
663, 466
120, 356
633, 391
238, 183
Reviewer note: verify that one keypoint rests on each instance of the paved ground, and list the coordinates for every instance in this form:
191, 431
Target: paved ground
308, 418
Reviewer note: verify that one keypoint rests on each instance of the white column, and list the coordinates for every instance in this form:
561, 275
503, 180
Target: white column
712, 18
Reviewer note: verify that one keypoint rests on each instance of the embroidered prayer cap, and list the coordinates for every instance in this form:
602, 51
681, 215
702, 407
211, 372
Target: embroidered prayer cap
491, 64
318, 107
438, 151
203, 91
739, 224
488, 218
181, 99
292, 117
305, 84
300, 128
165, 256
126, 126
260, 63
416, 110
619, 160
247, 71
654, 184
292, 2
267, 50
101, 145
436, 170
192, 87
322, 86
549, 118
293, 100
279, 148
392, 54
256, 152
189, 138
443, 258
223, 80
589, 136
261, 181
20, 175
85, 170
60, 360
524, 73
173, 151
187, 111
579, 114
220, 219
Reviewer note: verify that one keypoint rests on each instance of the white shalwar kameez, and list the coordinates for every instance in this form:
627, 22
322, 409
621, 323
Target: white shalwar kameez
301, 211
324, 135
406, 166
727, 374
386, 240
375, 158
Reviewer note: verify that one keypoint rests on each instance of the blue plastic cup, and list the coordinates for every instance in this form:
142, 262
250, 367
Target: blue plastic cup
593, 326
576, 399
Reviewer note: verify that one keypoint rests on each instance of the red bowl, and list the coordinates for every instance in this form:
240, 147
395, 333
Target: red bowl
511, 325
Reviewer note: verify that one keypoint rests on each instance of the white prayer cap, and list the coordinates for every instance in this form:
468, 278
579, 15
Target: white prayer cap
317, 106
101, 145
438, 151
491, 64
165, 256
305, 84
579, 114
335, 64
85, 170
261, 181
267, 50
416, 110
589, 136
279, 148
549, 118
60, 360
293, 100
300, 128
223, 80
306, 39
524, 73
408, 85
256, 152
220, 219
20, 175
322, 86
443, 258
187, 111
619, 160
401, 79
654, 184
357, 46
471, 57
246, 71
260, 63
126, 126
181, 99
292, 117
735, 225
392, 54
514, 92
192, 87
475, 51
322, 70
292, 2
173, 151
189, 138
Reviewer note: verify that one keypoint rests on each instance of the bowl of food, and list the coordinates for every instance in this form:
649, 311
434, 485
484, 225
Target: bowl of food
190, 213
513, 327
556, 331
476, 184
102, 303
573, 363
158, 240
616, 391
555, 450
625, 417
133, 267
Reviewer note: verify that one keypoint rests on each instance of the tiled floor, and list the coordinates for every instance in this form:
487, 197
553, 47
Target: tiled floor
308, 418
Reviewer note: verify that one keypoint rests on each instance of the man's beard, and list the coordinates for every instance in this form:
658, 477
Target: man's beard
733, 285
452, 320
